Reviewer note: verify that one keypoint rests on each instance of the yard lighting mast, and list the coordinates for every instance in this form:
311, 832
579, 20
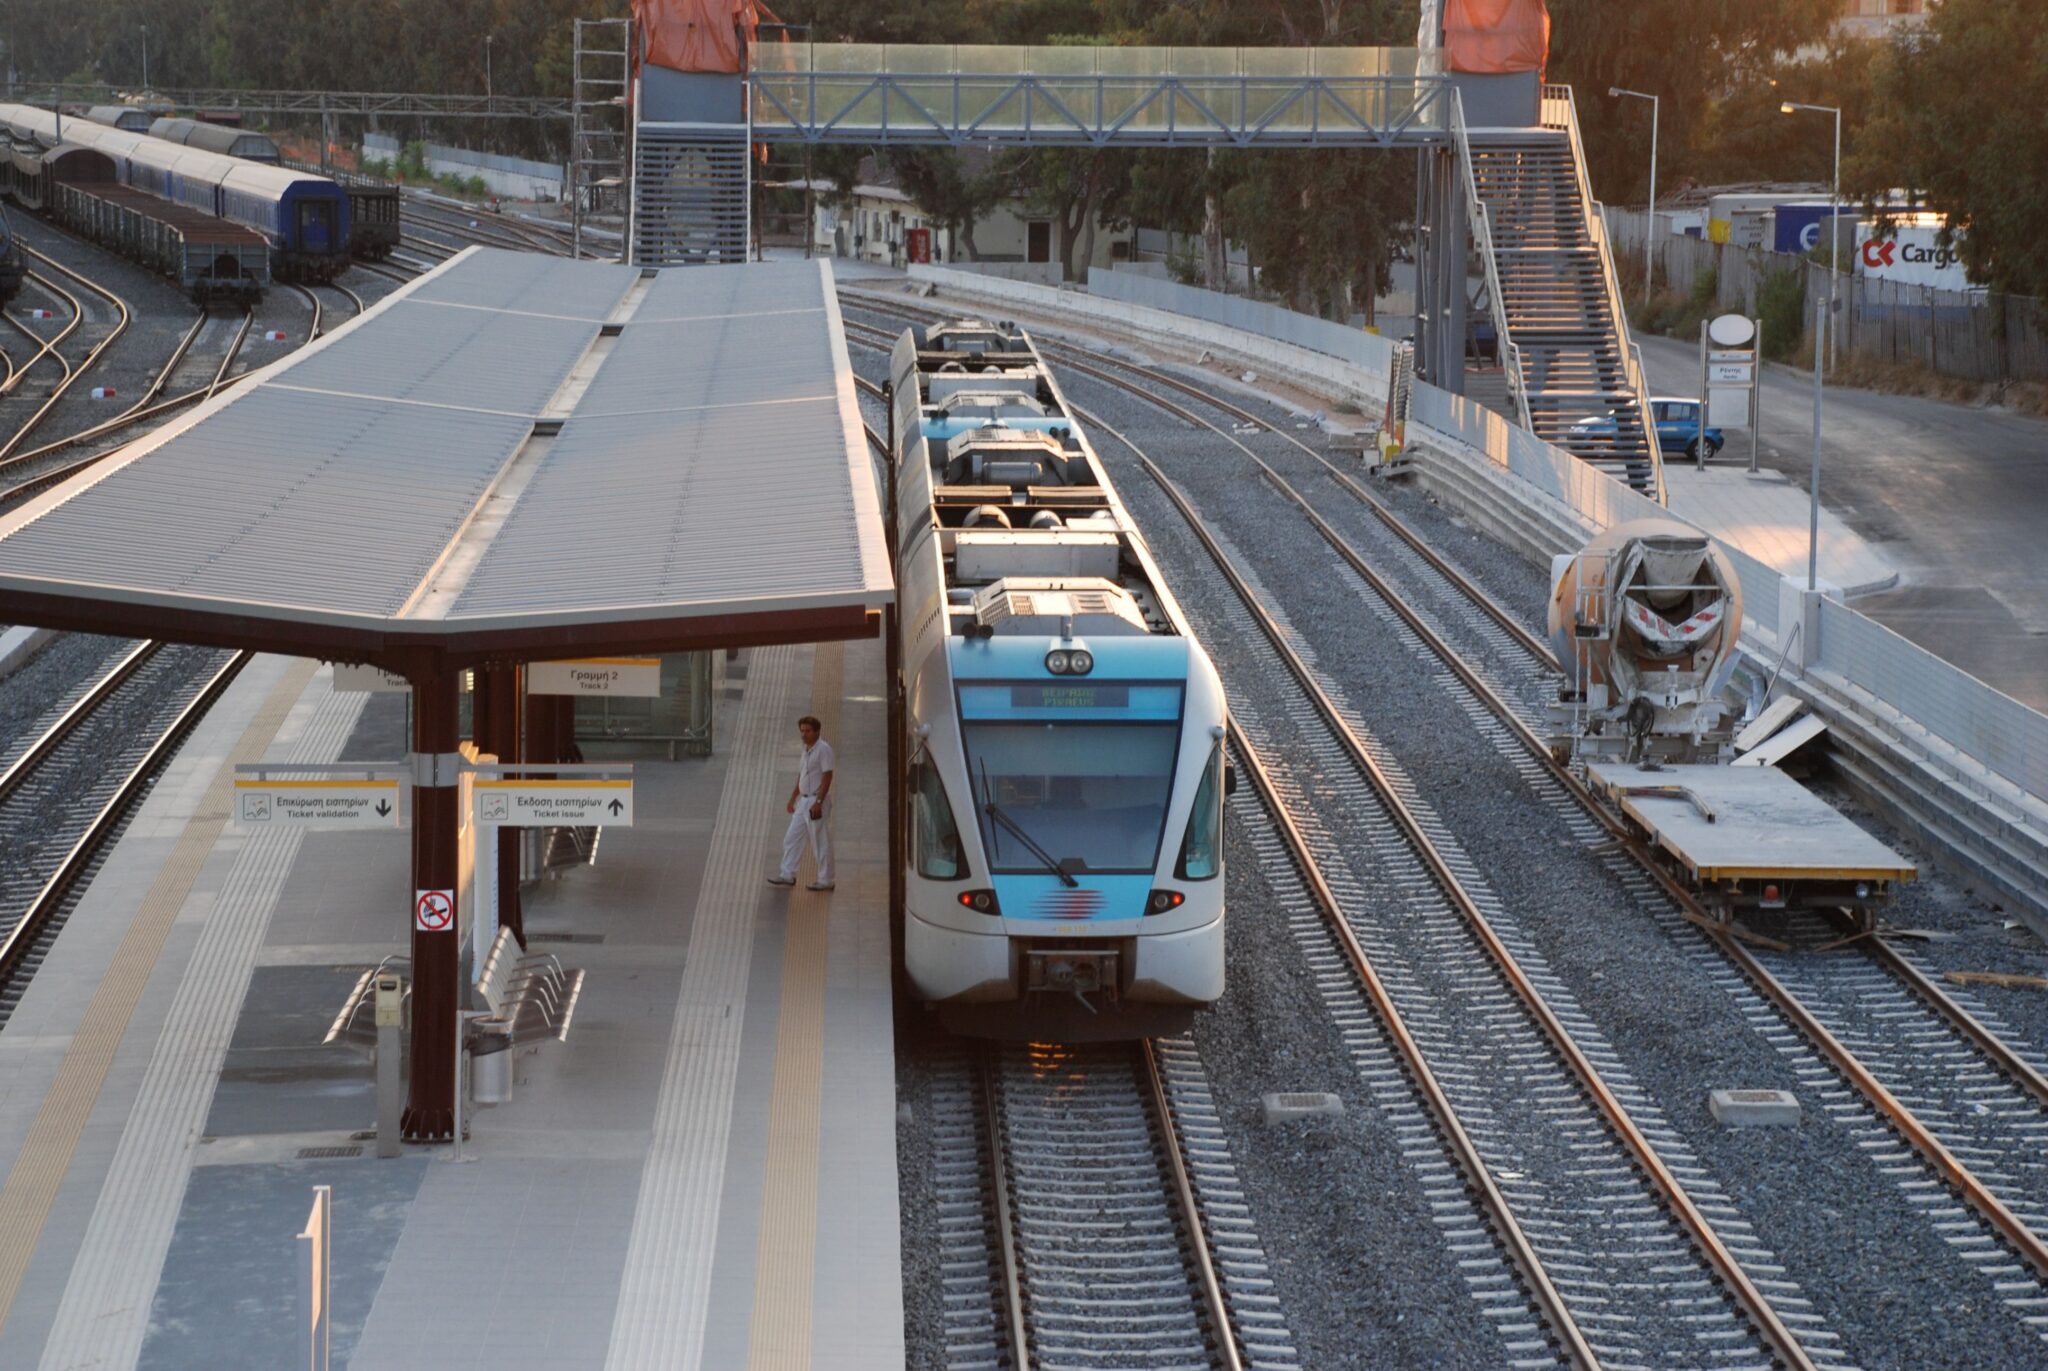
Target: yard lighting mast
1650, 233
1834, 211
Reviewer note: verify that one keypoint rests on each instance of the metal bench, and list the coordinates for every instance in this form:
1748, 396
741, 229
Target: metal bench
356, 1023
535, 994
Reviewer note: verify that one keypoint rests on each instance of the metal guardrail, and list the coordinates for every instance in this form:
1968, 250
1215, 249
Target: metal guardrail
1482, 238
1560, 110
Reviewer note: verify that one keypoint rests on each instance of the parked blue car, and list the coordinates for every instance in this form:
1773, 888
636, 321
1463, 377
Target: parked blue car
1678, 426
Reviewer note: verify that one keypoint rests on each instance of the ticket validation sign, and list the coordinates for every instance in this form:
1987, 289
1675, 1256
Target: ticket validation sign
321, 804
632, 677
554, 804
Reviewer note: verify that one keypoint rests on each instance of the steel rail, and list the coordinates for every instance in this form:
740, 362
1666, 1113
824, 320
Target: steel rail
1521, 1252
63, 387
1990, 1044
46, 346
49, 346
23, 489
1936, 1154
306, 293
1192, 1222
1719, 1259
73, 717
20, 940
1012, 1273
1973, 1191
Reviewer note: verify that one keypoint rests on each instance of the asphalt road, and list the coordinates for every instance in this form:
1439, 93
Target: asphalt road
1956, 496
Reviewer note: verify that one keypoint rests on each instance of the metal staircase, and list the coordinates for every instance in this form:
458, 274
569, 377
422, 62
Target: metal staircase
1563, 332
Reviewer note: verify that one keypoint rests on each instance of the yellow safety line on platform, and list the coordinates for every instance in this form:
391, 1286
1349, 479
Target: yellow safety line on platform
45, 1157
786, 1257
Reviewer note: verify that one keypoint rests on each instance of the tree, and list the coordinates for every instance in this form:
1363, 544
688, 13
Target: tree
1959, 108
950, 190
1689, 53
1078, 190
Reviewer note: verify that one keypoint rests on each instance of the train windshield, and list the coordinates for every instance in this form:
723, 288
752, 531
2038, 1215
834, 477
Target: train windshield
1091, 795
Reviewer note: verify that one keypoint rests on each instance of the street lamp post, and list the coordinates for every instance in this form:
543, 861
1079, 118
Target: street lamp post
1834, 213
145, 59
1650, 233
489, 39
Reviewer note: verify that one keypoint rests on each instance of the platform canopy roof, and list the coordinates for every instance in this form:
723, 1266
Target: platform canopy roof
513, 457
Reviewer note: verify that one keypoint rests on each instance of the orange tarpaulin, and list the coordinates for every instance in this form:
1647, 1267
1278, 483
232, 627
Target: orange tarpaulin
1489, 37
695, 35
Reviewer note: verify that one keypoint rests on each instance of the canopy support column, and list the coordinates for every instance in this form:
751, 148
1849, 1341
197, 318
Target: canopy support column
436, 942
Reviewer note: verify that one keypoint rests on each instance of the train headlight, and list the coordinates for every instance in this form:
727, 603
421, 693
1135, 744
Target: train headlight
1080, 662
1163, 900
1059, 661
981, 902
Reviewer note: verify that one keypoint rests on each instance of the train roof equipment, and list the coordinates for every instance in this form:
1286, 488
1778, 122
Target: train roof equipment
210, 137
133, 118
1751, 839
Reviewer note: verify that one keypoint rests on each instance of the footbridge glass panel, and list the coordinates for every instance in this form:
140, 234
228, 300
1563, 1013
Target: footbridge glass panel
1097, 96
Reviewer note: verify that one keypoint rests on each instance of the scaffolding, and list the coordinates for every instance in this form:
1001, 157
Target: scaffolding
601, 128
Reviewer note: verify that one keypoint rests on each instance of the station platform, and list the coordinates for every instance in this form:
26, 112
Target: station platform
1768, 517
702, 1174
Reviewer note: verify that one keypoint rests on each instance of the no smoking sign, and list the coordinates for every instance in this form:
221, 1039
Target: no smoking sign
433, 911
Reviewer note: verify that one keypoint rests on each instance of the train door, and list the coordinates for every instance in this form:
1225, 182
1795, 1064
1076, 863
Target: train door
316, 225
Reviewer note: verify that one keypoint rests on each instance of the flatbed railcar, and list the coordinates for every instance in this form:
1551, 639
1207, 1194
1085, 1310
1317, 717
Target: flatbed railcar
303, 216
1061, 803
211, 258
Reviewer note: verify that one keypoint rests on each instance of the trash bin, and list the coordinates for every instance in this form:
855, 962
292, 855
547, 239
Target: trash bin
490, 1061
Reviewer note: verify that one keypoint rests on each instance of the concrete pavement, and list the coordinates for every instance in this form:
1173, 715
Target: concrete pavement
1955, 496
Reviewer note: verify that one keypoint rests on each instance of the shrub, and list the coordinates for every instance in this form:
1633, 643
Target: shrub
1781, 310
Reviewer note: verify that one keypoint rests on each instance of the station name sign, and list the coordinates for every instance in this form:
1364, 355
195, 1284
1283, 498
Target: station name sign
634, 677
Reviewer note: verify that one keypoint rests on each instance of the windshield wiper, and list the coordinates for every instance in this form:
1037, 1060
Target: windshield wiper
995, 812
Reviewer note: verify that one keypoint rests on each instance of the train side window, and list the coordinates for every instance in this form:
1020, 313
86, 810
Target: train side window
1201, 851
934, 837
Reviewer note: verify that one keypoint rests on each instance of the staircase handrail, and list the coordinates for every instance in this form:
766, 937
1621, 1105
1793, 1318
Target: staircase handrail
1560, 110
1482, 237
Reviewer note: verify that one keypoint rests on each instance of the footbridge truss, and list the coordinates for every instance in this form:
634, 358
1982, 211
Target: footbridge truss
1098, 97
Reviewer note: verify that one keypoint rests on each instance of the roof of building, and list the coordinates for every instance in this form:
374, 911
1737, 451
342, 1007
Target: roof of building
514, 454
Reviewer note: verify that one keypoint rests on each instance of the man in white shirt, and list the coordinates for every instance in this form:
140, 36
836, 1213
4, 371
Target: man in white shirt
810, 809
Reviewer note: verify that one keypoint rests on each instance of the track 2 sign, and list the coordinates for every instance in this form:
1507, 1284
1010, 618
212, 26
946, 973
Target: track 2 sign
433, 911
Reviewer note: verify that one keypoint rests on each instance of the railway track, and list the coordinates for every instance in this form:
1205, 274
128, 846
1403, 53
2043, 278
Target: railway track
72, 372
1925, 1068
68, 784
152, 405
1090, 1214
1928, 1070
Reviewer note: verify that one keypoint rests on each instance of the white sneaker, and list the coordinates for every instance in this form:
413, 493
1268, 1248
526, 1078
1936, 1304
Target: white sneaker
782, 880
820, 885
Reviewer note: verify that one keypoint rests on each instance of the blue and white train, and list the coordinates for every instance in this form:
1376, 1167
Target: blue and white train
1064, 777
304, 217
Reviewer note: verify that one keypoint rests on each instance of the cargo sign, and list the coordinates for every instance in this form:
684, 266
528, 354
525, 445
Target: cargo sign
638, 677
1912, 256
554, 804
324, 804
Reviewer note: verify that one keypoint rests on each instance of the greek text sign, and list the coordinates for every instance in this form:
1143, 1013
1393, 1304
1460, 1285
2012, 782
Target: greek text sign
631, 676
559, 804
328, 804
